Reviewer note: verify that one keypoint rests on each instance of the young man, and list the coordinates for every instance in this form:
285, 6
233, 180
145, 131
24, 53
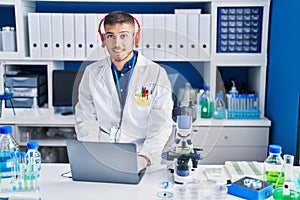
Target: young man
125, 97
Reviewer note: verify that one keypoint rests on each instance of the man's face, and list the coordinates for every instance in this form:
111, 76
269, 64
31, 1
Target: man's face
119, 40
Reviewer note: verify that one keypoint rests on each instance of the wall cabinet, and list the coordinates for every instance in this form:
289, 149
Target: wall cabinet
233, 35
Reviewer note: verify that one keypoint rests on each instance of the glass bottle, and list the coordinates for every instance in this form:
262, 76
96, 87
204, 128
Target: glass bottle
6, 166
33, 163
273, 166
219, 107
206, 103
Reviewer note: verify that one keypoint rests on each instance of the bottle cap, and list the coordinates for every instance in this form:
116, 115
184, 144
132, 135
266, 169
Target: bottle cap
32, 145
206, 88
5, 130
274, 148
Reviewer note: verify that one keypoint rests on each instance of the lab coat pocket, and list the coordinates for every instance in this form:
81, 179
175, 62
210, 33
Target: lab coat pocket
143, 101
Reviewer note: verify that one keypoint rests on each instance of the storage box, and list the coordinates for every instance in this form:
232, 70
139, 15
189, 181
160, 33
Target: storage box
28, 80
25, 102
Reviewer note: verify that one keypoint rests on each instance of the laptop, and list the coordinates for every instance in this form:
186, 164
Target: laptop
104, 162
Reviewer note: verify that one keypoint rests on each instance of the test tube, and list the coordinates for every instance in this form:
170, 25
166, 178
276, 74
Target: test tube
24, 170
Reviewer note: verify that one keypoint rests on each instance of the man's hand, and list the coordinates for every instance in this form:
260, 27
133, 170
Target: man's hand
142, 162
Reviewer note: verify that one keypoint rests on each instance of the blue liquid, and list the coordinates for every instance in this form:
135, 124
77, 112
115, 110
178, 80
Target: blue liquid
219, 113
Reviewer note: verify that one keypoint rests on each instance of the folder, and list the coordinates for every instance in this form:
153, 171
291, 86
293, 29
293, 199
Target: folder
79, 35
102, 52
181, 36
148, 35
91, 30
204, 40
140, 20
170, 34
69, 35
45, 30
57, 35
34, 35
193, 36
159, 36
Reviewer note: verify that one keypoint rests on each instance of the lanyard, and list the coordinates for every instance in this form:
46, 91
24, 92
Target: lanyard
118, 84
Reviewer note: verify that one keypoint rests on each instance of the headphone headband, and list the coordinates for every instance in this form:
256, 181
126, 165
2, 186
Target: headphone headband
136, 37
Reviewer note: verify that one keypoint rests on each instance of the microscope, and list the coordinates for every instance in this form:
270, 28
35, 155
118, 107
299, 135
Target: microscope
185, 158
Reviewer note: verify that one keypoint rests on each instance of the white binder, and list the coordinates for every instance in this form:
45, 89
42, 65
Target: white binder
46, 41
69, 35
102, 52
159, 36
193, 36
170, 33
57, 35
205, 45
91, 30
148, 35
34, 35
79, 35
181, 36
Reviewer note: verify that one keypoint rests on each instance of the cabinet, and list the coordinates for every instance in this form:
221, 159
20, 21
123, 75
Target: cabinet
236, 40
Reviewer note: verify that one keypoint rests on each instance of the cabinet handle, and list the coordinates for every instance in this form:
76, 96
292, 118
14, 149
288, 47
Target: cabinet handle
226, 137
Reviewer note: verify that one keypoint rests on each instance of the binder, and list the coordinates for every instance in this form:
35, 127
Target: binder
102, 52
193, 36
159, 36
34, 35
148, 35
69, 35
170, 34
45, 29
181, 36
91, 30
204, 40
57, 35
79, 35
188, 11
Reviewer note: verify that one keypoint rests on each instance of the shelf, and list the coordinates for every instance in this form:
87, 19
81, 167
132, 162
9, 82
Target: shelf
264, 122
27, 117
48, 142
116, 1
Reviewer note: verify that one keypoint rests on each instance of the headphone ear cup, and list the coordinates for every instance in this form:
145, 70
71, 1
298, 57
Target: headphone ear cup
137, 38
102, 39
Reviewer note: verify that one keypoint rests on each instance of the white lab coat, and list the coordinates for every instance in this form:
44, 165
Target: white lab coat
98, 108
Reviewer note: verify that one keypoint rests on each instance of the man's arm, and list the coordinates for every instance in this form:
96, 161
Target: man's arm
160, 120
86, 124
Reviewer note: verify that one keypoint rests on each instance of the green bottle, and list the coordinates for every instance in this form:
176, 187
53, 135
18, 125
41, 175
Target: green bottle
206, 104
273, 166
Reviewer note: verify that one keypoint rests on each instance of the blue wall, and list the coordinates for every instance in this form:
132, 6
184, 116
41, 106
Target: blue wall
283, 84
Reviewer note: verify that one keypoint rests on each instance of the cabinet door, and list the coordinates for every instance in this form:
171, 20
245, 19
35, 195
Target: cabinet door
231, 143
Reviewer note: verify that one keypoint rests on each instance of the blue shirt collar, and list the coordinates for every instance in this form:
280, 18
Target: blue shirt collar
129, 65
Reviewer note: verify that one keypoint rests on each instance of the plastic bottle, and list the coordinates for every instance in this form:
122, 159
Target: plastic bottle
273, 166
33, 163
6, 133
206, 103
219, 107
8, 38
8, 151
233, 88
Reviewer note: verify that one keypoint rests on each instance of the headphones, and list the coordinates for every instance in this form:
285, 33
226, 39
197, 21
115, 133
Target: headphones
137, 36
